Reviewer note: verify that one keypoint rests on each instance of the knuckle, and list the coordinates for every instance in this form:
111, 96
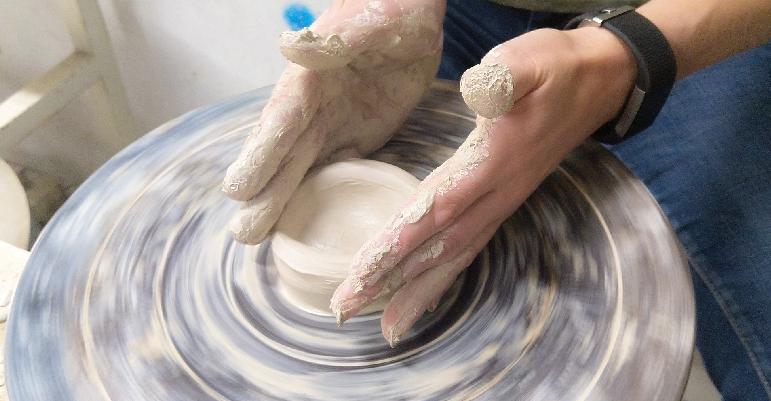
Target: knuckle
447, 207
452, 245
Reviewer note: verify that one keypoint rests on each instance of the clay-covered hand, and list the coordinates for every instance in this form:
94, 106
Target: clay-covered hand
353, 77
537, 97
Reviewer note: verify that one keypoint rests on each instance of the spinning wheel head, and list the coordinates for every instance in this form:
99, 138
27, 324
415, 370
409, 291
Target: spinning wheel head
137, 292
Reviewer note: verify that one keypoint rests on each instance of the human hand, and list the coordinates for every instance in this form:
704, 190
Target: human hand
355, 74
539, 95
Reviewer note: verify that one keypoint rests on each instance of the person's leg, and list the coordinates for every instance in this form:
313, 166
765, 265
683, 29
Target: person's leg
707, 160
473, 27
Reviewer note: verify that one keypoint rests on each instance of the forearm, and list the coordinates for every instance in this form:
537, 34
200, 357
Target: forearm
702, 32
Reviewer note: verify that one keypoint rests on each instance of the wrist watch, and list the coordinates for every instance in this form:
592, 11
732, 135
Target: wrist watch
656, 69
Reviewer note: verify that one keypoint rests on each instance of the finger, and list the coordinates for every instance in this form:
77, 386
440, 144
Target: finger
322, 46
378, 258
365, 32
415, 297
484, 238
433, 305
451, 186
254, 220
351, 302
503, 77
382, 102
312, 51
441, 198
346, 303
292, 105
447, 244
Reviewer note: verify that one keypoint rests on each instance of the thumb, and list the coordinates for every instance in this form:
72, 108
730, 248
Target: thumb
334, 39
492, 87
312, 51
378, 31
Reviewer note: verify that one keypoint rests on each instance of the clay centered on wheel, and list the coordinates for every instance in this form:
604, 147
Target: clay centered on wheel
334, 210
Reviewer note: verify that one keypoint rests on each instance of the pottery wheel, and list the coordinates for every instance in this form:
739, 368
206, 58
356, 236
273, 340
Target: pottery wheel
136, 291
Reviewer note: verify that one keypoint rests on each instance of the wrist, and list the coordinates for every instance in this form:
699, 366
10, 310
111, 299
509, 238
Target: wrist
680, 32
611, 61
672, 29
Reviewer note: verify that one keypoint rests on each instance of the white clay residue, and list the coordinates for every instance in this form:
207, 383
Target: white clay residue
310, 50
374, 14
377, 258
371, 259
472, 152
488, 89
432, 251
418, 209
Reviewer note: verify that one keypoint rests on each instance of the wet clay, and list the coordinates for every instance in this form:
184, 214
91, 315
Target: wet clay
488, 89
308, 49
378, 257
332, 213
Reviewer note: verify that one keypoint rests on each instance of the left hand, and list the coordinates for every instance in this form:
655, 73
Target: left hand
566, 84
354, 76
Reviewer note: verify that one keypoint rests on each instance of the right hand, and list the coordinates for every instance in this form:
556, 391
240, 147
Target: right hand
538, 97
355, 75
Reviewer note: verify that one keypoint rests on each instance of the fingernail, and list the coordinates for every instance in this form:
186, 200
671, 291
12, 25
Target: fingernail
337, 307
233, 184
393, 340
345, 308
339, 318
433, 306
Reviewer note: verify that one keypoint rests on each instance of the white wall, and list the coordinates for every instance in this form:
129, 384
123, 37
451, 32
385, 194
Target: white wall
174, 55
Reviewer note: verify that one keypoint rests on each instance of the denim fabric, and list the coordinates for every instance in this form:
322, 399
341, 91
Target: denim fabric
707, 160
473, 27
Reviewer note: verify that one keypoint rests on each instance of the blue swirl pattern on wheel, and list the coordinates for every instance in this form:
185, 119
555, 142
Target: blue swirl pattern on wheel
137, 292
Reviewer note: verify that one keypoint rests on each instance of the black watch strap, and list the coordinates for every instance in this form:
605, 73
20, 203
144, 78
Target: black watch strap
656, 69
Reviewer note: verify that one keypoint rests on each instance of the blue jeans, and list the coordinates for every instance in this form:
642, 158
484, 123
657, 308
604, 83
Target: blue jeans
707, 160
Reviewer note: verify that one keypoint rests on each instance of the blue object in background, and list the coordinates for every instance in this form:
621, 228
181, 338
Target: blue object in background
298, 16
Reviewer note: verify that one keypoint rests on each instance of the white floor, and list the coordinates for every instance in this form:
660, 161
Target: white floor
700, 387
